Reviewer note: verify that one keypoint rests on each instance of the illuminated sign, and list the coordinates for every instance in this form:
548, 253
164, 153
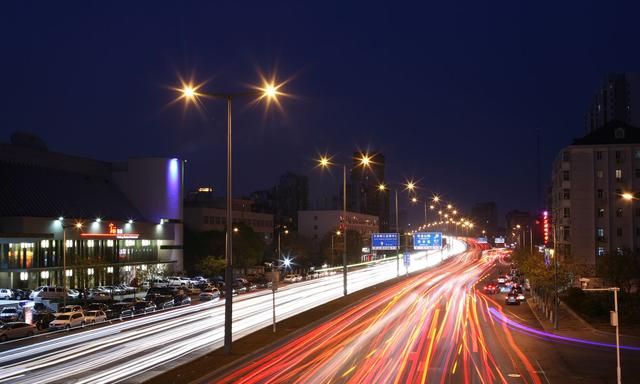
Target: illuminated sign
114, 231
427, 240
499, 240
384, 241
545, 227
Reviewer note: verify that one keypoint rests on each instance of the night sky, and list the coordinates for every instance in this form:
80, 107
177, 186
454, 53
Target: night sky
451, 92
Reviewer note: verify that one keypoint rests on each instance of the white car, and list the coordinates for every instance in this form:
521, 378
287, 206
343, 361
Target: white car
5, 294
179, 281
209, 294
290, 278
68, 309
68, 320
92, 317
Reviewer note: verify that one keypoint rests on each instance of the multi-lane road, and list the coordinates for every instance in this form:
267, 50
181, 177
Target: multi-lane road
436, 327
136, 350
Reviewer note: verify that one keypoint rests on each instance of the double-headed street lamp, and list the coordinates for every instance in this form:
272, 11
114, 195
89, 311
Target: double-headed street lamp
324, 162
409, 186
269, 91
77, 225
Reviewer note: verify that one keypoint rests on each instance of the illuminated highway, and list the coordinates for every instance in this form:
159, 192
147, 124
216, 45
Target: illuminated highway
135, 350
432, 328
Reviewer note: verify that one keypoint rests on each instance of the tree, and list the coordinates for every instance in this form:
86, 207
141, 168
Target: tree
620, 269
211, 266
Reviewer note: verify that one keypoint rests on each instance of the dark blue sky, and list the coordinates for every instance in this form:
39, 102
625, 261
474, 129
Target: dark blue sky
451, 92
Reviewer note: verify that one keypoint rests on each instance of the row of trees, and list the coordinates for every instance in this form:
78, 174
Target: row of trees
204, 251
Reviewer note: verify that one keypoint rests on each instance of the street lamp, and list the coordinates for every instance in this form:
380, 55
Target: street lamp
409, 186
269, 91
77, 225
324, 162
615, 321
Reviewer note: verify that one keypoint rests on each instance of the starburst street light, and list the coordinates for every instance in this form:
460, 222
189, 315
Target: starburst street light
324, 162
190, 93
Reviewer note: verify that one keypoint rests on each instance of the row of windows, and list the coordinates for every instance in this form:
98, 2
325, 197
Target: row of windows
219, 220
619, 212
600, 232
619, 156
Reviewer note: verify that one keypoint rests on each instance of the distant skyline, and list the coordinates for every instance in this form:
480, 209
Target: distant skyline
452, 94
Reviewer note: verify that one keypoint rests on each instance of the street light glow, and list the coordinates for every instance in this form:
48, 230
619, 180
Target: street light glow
436, 198
627, 196
414, 199
382, 187
410, 185
324, 161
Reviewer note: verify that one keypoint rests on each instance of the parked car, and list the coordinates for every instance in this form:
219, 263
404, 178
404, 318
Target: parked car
48, 293
39, 308
67, 321
158, 283
163, 301
20, 294
5, 294
209, 294
68, 308
162, 291
290, 278
182, 299
121, 310
238, 287
99, 295
97, 307
42, 319
127, 288
15, 330
143, 307
92, 317
9, 314
175, 281
73, 294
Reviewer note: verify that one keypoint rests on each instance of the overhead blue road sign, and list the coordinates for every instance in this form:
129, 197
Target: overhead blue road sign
427, 240
384, 241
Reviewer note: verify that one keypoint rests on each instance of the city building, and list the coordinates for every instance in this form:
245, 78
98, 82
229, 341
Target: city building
316, 224
291, 196
618, 99
595, 182
203, 211
485, 215
363, 193
521, 227
119, 219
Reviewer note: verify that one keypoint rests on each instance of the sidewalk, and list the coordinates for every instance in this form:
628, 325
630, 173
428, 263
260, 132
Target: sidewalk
573, 325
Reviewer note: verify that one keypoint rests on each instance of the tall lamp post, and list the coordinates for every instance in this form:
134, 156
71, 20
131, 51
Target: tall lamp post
324, 162
410, 186
77, 225
614, 322
190, 93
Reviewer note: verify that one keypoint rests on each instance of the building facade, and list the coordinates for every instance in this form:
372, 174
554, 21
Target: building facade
205, 212
618, 99
316, 224
590, 179
107, 222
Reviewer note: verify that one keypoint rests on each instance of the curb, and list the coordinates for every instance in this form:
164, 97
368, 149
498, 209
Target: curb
578, 317
542, 323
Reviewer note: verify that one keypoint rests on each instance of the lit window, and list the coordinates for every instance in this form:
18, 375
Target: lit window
24, 276
90, 243
600, 232
600, 251
146, 243
90, 271
44, 244
618, 174
129, 243
110, 243
69, 243
44, 274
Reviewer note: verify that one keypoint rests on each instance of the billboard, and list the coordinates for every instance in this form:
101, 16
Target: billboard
384, 241
499, 240
482, 240
427, 240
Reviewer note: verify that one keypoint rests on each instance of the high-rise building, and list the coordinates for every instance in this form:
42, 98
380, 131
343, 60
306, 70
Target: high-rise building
291, 196
364, 195
594, 184
617, 99
485, 215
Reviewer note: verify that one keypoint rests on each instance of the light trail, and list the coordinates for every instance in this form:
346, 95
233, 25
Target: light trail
428, 328
138, 349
